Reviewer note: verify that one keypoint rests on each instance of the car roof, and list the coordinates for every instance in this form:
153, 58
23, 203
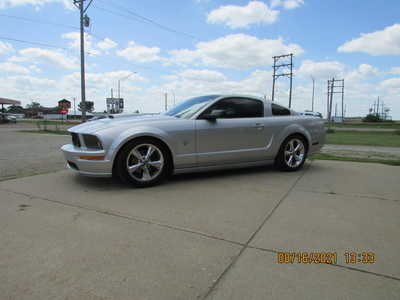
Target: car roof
241, 96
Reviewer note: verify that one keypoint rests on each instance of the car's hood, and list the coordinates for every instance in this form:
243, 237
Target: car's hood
102, 124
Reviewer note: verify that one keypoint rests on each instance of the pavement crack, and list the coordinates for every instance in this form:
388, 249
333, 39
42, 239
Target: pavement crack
246, 245
128, 217
350, 195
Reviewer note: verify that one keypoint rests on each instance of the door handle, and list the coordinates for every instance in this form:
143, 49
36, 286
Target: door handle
259, 126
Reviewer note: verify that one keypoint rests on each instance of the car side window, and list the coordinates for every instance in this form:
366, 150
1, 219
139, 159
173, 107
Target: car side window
238, 108
278, 110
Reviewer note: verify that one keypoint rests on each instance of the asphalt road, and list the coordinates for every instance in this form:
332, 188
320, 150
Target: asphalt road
202, 236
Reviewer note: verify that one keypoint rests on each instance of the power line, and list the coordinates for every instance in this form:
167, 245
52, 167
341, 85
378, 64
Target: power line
145, 19
38, 44
38, 21
32, 43
50, 23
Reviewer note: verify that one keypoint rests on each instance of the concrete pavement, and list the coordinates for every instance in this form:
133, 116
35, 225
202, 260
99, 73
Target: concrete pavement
202, 236
23, 154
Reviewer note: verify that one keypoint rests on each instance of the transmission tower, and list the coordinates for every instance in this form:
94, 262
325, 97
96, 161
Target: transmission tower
287, 66
335, 86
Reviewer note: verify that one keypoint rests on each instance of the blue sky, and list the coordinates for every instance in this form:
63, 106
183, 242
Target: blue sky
218, 46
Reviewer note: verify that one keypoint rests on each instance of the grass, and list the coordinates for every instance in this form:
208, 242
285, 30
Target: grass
384, 125
365, 138
60, 132
321, 156
49, 122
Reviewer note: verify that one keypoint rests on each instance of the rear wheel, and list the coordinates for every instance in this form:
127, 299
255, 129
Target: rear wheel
292, 154
143, 162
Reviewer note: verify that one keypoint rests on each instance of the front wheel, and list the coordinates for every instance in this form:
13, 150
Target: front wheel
292, 154
143, 162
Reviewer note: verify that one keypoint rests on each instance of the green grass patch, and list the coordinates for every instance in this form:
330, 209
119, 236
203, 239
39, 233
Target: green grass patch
60, 132
321, 156
50, 122
383, 125
364, 138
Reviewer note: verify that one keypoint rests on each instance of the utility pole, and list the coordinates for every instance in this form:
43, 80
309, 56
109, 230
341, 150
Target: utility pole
313, 90
377, 108
276, 75
84, 22
332, 84
74, 107
173, 94
166, 101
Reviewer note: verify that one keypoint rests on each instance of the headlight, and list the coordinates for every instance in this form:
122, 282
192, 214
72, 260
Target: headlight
75, 139
92, 142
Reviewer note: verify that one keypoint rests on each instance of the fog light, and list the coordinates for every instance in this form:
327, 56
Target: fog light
90, 157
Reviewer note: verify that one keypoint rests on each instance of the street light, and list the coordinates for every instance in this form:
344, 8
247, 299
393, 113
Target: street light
173, 93
119, 83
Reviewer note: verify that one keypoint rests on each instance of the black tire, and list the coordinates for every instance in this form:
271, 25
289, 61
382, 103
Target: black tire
125, 157
282, 159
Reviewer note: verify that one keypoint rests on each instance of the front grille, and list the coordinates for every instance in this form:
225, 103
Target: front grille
75, 139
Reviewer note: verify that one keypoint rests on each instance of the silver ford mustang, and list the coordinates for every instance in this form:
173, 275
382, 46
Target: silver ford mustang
203, 133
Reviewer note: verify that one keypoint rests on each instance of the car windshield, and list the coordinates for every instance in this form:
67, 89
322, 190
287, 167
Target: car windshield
191, 106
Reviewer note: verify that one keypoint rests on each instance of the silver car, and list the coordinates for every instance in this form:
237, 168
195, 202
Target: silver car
203, 133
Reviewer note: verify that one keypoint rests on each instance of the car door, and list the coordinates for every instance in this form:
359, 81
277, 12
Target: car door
239, 135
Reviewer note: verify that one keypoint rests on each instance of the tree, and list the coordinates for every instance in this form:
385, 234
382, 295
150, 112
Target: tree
34, 105
372, 118
15, 109
89, 106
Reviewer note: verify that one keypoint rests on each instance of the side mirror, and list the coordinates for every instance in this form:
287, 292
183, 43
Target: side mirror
213, 115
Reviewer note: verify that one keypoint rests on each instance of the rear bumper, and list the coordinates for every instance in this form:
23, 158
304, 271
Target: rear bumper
92, 168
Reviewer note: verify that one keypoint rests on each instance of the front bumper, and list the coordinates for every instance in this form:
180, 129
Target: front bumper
92, 168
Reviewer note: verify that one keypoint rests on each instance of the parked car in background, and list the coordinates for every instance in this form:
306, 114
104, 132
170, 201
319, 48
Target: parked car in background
311, 114
203, 133
7, 118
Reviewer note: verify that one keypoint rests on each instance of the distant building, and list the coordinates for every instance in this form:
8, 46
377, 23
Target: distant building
64, 104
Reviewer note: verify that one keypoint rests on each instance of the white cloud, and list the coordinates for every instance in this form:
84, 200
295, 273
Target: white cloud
36, 3
382, 42
287, 4
74, 43
320, 69
238, 51
363, 71
45, 56
234, 16
6, 48
395, 70
8, 67
202, 75
139, 53
98, 84
392, 83
107, 44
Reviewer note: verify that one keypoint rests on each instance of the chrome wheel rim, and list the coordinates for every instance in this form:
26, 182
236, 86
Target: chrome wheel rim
294, 153
145, 162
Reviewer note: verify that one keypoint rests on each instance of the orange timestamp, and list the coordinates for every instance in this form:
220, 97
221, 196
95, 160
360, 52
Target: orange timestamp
325, 257
307, 257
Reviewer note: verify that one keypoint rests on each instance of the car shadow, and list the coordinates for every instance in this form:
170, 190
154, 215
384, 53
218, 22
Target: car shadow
115, 184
